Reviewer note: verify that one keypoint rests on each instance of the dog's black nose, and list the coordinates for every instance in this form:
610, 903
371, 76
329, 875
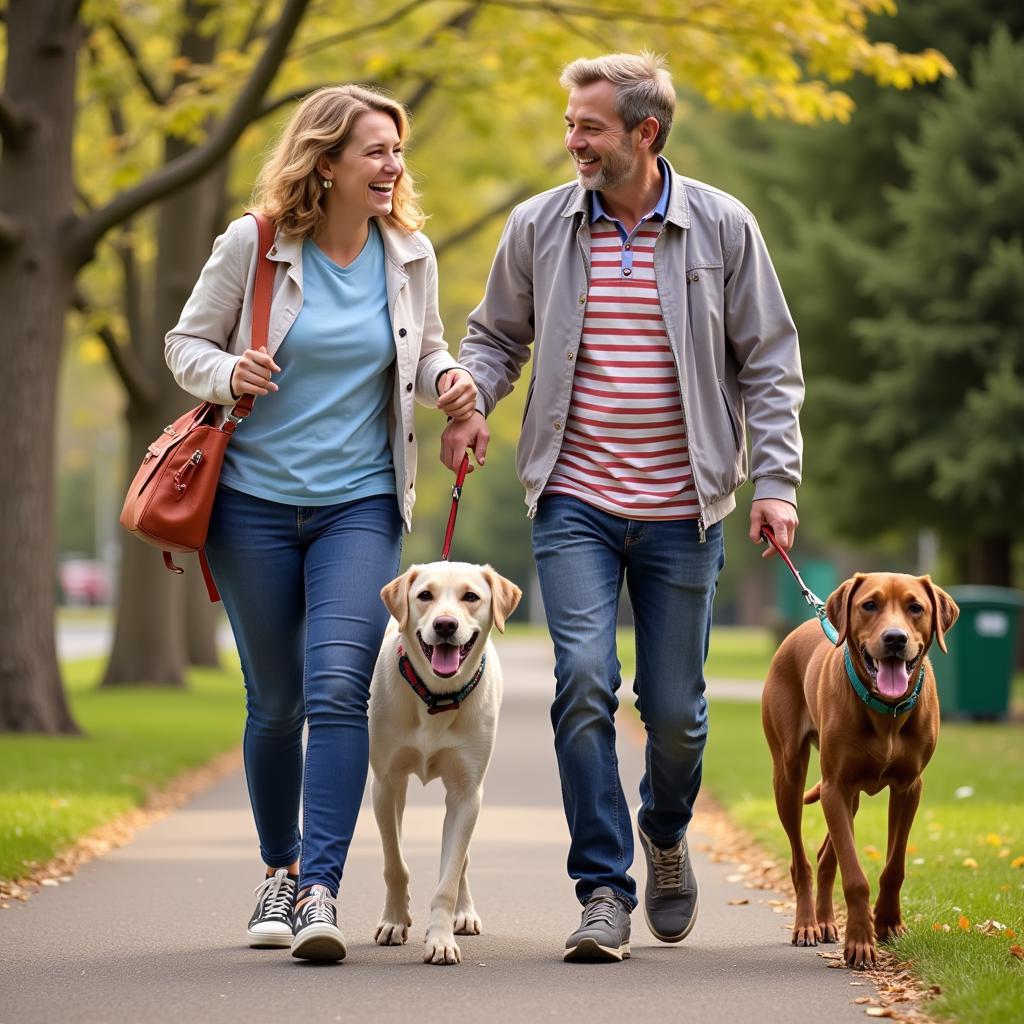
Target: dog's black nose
445, 625
894, 639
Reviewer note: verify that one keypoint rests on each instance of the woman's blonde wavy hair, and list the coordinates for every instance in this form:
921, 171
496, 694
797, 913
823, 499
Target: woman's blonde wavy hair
288, 189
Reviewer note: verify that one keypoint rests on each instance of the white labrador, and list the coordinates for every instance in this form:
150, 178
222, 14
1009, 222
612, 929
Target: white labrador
434, 704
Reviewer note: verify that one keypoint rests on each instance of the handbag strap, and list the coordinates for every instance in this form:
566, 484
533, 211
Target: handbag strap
262, 296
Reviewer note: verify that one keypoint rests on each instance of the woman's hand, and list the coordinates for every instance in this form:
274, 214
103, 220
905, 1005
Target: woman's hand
456, 394
251, 375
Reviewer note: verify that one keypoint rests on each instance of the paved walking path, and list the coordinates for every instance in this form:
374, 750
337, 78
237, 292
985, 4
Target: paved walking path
154, 931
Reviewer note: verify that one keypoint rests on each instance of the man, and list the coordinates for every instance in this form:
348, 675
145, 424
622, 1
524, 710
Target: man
661, 335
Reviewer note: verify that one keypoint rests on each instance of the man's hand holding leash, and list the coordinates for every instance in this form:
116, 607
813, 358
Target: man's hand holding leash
459, 435
780, 516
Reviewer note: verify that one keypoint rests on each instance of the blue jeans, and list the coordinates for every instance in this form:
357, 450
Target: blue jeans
301, 586
583, 555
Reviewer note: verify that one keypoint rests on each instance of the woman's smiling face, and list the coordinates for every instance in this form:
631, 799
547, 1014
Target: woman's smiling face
366, 172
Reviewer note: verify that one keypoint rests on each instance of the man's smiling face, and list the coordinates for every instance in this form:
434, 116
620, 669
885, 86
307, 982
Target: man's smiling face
597, 140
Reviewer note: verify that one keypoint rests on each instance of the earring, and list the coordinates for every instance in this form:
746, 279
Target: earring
328, 183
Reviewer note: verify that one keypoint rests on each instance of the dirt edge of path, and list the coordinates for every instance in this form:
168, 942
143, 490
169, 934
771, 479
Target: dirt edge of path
121, 830
898, 996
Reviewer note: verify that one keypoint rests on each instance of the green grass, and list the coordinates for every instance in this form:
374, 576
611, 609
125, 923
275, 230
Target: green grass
55, 789
739, 652
736, 653
980, 981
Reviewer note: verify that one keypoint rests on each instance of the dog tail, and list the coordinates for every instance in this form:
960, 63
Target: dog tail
812, 796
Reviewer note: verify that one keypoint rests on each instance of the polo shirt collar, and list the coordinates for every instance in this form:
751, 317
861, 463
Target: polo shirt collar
597, 211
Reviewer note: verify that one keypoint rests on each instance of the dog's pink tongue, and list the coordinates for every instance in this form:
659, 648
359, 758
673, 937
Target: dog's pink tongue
445, 659
892, 677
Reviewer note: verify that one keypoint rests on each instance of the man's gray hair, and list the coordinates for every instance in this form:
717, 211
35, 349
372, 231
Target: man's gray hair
643, 87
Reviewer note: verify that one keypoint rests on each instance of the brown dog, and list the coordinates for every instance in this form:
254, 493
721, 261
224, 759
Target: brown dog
887, 621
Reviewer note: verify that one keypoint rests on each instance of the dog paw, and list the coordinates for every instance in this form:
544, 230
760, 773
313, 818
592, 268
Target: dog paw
860, 954
829, 931
467, 922
391, 933
886, 931
441, 948
806, 934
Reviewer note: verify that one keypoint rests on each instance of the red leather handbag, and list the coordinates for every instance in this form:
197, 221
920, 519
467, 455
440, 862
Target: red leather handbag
170, 500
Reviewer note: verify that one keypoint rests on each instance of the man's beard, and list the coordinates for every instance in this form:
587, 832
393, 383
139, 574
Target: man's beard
616, 168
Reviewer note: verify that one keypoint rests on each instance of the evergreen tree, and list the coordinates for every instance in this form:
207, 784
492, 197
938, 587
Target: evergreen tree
822, 197
943, 403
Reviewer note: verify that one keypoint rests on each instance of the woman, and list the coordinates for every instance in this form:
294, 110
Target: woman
318, 480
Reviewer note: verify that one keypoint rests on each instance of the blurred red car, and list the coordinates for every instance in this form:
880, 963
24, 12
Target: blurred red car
84, 581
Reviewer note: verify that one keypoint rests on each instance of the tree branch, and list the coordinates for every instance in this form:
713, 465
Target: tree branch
354, 33
596, 13
139, 385
587, 35
193, 164
83, 198
502, 206
132, 291
135, 59
461, 22
253, 30
14, 125
269, 107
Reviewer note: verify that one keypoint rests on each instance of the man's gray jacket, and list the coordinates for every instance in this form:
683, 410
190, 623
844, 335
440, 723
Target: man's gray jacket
732, 338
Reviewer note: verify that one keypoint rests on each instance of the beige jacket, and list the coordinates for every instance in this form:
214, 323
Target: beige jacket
215, 326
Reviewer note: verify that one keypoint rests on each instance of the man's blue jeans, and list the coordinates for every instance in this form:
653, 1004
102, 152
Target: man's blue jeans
301, 586
583, 555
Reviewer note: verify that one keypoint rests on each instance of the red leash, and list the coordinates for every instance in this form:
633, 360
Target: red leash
449, 532
769, 535
816, 603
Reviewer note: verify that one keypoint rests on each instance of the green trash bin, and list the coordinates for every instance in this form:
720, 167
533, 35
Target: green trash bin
974, 677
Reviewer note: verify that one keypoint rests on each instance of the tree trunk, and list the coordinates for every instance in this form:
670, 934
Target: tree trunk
990, 561
202, 617
154, 631
43, 244
36, 195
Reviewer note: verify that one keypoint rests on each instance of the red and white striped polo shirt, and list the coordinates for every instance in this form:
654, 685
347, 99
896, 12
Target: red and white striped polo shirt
624, 447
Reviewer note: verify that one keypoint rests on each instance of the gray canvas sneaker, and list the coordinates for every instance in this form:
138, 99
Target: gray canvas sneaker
603, 933
315, 923
670, 897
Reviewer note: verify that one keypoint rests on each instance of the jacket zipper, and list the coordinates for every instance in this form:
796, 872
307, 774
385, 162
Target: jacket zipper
701, 528
532, 511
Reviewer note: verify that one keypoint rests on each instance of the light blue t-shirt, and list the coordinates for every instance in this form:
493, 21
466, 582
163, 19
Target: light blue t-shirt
322, 439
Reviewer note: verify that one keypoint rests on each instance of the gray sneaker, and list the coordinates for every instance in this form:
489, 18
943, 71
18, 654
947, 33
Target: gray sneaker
315, 923
670, 898
603, 933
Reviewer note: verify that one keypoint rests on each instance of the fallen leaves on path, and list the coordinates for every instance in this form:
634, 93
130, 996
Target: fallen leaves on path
118, 832
902, 996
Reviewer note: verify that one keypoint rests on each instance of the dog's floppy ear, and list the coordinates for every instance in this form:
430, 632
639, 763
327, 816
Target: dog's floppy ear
839, 603
944, 610
505, 596
396, 596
